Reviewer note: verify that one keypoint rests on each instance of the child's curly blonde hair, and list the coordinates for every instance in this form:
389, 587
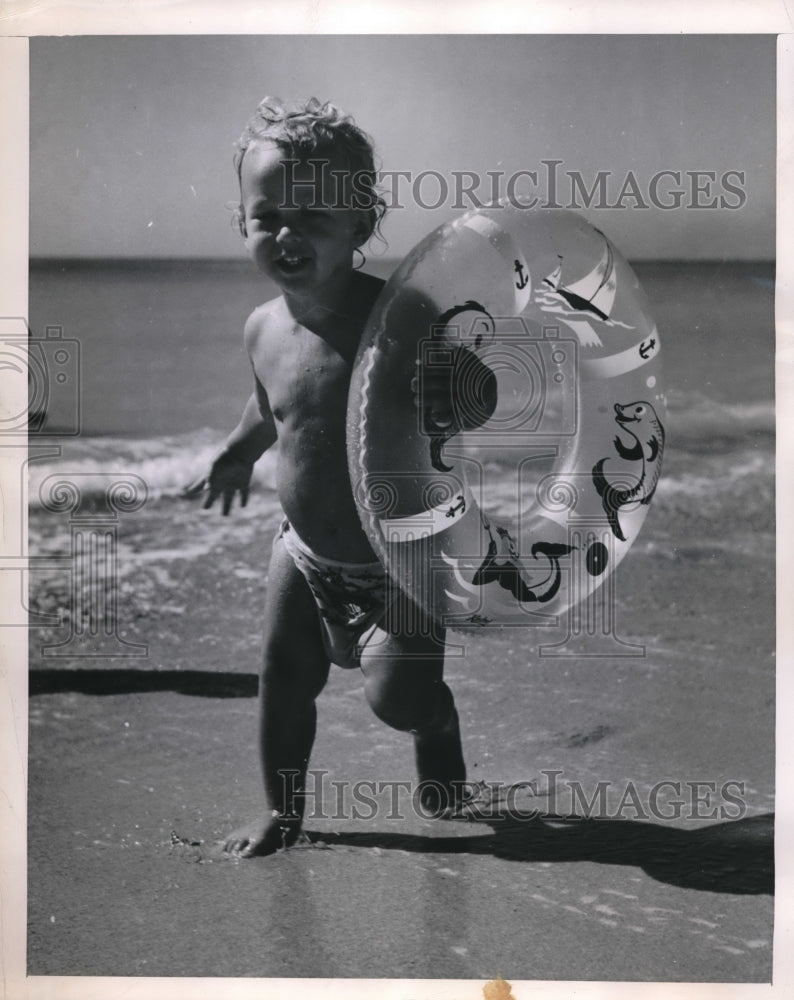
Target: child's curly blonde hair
315, 129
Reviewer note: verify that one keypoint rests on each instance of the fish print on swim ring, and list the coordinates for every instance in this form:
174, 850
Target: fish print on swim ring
641, 422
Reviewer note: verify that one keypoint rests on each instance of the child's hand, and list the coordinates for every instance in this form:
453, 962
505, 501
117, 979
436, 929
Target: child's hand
456, 395
432, 391
228, 475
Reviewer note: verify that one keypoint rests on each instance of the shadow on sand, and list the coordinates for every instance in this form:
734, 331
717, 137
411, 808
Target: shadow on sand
735, 857
197, 683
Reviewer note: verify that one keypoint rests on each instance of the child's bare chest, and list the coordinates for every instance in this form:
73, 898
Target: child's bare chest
305, 378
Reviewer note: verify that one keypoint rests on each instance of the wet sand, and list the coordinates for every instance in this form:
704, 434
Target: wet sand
139, 766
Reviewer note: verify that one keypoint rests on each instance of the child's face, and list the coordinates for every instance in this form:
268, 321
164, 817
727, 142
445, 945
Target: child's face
297, 230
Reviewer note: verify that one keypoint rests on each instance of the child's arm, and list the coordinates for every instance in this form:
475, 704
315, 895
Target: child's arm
232, 468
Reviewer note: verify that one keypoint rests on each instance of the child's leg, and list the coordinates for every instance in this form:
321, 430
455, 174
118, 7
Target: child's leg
405, 688
294, 671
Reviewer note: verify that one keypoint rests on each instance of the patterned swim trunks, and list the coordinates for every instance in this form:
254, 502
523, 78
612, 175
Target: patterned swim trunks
351, 597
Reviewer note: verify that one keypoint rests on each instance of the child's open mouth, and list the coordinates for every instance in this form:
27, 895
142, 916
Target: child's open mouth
290, 265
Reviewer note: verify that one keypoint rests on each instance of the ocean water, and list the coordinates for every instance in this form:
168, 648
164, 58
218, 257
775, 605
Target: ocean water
163, 376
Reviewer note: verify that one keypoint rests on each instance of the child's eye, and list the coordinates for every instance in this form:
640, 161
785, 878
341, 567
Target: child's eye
265, 219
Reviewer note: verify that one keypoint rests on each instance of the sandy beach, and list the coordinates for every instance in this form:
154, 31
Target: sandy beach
139, 766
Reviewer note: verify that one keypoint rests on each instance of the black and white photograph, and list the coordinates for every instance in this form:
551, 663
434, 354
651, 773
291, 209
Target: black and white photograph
398, 557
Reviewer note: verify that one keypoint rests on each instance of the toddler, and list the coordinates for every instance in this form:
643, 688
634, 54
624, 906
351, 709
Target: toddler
308, 202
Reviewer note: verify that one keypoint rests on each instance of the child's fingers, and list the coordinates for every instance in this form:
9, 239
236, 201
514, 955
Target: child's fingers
194, 489
443, 419
215, 490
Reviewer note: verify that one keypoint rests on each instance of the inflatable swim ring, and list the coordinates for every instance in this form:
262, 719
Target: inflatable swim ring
506, 417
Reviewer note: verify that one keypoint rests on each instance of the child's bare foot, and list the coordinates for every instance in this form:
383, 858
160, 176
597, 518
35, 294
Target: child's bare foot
441, 769
264, 835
